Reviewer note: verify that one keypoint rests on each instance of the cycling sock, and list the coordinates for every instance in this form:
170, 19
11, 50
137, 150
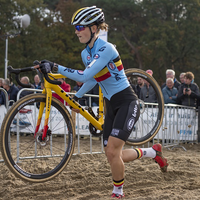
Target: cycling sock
139, 153
146, 152
118, 187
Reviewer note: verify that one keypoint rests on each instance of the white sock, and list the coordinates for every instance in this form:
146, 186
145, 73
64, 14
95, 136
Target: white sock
118, 190
118, 187
148, 152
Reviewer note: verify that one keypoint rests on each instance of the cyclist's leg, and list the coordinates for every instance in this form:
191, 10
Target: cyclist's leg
113, 150
130, 112
124, 122
118, 130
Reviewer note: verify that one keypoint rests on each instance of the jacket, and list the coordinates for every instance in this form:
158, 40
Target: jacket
169, 93
26, 92
188, 100
66, 87
12, 93
148, 94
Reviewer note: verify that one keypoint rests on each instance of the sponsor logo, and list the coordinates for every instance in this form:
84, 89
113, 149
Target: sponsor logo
90, 65
48, 105
70, 144
115, 132
96, 56
80, 72
130, 123
69, 70
88, 57
135, 111
117, 76
111, 66
105, 142
139, 74
21, 171
102, 49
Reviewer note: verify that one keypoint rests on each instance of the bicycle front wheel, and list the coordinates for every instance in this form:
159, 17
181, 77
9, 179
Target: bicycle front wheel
151, 114
25, 155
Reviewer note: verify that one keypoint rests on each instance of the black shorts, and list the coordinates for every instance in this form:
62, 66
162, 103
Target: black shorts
122, 112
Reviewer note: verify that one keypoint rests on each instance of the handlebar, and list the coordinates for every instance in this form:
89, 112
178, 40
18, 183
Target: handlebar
33, 68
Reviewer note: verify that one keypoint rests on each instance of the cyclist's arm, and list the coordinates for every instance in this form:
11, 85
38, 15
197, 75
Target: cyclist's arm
86, 87
92, 69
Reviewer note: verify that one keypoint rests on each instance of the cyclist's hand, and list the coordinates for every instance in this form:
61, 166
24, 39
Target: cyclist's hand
46, 66
51, 64
75, 110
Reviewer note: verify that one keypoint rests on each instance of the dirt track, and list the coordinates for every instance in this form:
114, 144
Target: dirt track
88, 177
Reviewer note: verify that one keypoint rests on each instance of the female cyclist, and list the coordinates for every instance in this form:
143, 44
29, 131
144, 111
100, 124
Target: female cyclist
104, 66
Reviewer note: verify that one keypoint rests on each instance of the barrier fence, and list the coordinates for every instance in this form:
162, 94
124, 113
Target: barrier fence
180, 125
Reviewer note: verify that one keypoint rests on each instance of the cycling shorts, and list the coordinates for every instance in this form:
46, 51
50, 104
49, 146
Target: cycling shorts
122, 112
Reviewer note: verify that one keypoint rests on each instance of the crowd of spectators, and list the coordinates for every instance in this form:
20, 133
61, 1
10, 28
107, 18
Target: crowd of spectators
186, 92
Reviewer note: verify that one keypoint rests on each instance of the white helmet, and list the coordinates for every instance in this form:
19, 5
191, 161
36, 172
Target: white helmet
88, 15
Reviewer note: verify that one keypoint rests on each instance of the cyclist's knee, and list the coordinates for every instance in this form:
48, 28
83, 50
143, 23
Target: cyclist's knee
111, 154
114, 149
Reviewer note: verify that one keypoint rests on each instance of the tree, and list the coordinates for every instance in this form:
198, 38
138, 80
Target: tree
158, 34
172, 38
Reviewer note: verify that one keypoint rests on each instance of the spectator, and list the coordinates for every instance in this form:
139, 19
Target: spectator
25, 80
132, 85
188, 93
2, 95
150, 72
147, 93
83, 101
94, 100
181, 77
170, 92
11, 89
66, 87
42, 85
171, 74
37, 82
140, 84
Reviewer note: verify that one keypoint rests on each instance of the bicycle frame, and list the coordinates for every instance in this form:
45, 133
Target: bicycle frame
48, 87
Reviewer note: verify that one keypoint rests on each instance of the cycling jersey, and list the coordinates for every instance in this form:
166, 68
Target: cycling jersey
103, 66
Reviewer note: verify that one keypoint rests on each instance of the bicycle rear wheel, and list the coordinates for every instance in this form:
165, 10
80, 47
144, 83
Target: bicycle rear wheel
25, 155
151, 114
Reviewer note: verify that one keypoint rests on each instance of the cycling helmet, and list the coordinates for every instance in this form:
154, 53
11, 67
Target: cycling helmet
88, 15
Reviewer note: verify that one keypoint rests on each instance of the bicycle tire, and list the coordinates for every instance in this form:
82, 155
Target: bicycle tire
140, 136
26, 157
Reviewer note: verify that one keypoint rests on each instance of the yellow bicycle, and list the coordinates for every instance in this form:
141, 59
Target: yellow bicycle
50, 145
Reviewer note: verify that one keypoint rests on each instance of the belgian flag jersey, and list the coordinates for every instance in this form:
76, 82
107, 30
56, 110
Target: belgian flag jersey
103, 66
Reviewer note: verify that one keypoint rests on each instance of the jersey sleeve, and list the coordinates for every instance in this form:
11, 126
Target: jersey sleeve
86, 87
100, 60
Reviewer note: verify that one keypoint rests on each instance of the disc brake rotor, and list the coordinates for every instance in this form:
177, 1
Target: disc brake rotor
39, 139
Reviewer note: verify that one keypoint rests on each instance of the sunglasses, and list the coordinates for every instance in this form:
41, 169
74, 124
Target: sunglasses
80, 27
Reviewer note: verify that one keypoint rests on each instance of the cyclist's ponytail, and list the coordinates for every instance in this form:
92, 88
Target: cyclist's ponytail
103, 26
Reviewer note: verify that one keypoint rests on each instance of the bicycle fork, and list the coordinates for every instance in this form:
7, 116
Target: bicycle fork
47, 113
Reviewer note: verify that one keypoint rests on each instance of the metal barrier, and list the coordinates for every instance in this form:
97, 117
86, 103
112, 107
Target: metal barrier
6, 96
179, 126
